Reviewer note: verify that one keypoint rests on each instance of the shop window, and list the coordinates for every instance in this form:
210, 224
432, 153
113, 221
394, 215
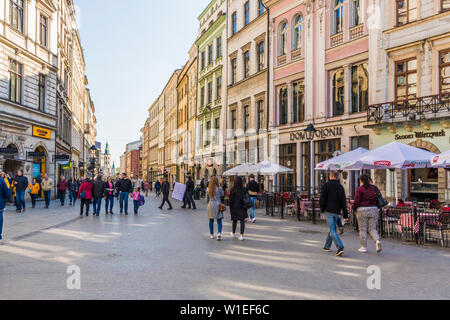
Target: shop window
444, 72
360, 88
298, 104
445, 5
338, 93
324, 151
406, 79
283, 105
406, 11
288, 158
306, 164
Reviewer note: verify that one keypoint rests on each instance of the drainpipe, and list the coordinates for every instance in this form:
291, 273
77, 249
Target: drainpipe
226, 95
268, 79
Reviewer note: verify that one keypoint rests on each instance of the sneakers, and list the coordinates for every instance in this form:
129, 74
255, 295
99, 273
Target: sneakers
362, 250
241, 238
340, 252
326, 250
253, 220
211, 236
233, 235
379, 247
219, 237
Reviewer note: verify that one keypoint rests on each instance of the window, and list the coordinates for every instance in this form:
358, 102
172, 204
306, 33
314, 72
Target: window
283, 39
261, 8
288, 158
202, 97
260, 115
246, 64
298, 104
444, 71
202, 60
297, 39
338, 16
306, 159
338, 93
233, 120
219, 47
233, 71
406, 11
210, 93
246, 118
218, 88
261, 56
356, 13
42, 80
283, 106
208, 133
445, 5
360, 88
15, 81
324, 152
216, 130
406, 79
234, 23
247, 13
43, 31
210, 54
16, 14
200, 135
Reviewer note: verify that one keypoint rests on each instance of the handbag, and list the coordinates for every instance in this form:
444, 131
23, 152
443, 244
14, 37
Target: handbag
222, 207
381, 202
247, 201
83, 195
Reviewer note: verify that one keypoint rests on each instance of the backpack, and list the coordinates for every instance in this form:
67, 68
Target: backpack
141, 201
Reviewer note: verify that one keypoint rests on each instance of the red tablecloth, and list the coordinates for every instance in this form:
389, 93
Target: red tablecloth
407, 220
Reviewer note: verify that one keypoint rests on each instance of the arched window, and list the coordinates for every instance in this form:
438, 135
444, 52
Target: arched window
338, 93
338, 11
356, 13
360, 88
297, 34
283, 39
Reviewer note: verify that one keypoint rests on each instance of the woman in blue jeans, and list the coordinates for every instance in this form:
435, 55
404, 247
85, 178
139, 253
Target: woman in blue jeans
215, 194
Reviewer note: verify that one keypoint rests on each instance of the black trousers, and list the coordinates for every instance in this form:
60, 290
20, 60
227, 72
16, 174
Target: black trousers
188, 200
242, 226
166, 199
86, 203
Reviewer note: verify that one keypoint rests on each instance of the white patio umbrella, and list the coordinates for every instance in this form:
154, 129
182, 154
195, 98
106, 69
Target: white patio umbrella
267, 168
241, 170
441, 161
340, 162
394, 155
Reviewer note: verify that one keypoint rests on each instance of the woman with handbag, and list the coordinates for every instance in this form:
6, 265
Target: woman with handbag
85, 194
215, 207
238, 206
367, 211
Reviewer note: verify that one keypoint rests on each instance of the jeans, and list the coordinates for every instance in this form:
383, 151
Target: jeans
339, 223
242, 226
73, 197
33, 199
157, 191
20, 196
62, 196
211, 226
109, 202
1, 223
332, 235
47, 195
97, 205
124, 201
252, 209
136, 206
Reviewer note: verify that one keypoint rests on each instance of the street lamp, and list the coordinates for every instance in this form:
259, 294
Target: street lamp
311, 130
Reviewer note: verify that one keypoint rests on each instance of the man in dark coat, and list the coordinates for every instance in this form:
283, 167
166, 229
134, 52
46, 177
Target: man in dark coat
21, 183
5, 194
124, 187
188, 199
98, 192
165, 189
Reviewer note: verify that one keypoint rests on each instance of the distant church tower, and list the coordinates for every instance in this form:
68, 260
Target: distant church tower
107, 170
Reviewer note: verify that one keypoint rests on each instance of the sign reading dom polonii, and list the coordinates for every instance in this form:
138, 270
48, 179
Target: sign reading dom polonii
323, 133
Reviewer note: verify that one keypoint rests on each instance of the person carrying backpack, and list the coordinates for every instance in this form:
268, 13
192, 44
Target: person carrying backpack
85, 194
136, 199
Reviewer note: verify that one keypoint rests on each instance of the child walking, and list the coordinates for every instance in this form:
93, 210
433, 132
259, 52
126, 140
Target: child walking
136, 197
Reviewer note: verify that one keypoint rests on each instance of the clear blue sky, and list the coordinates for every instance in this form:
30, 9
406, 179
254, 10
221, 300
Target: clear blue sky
131, 49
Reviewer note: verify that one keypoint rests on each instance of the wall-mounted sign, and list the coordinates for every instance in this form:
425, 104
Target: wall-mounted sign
319, 134
35, 154
8, 151
420, 135
36, 170
62, 157
41, 133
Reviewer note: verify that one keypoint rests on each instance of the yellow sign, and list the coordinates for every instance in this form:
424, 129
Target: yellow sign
41, 133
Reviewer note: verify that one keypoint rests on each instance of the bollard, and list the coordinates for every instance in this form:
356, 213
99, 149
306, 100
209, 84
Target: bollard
381, 223
313, 210
282, 207
298, 209
416, 235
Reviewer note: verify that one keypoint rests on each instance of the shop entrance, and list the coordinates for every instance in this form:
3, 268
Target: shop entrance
12, 165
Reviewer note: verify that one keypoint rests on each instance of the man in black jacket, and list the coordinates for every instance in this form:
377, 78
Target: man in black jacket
165, 189
21, 183
332, 203
188, 194
124, 187
98, 190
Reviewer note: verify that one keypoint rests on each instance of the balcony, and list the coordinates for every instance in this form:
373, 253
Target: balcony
357, 32
423, 108
337, 39
296, 54
281, 60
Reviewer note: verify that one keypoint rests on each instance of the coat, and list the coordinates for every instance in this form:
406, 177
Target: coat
34, 188
213, 205
165, 188
47, 185
62, 185
237, 210
87, 188
98, 188
4, 194
22, 183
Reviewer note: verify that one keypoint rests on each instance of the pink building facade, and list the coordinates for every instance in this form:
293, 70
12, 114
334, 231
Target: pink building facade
320, 79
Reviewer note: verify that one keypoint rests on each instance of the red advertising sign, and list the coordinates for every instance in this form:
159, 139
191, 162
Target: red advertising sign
382, 163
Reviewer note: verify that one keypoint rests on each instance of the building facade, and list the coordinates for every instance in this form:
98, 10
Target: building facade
153, 142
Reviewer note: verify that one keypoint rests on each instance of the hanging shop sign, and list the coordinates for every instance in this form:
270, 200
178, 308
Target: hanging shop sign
62, 157
41, 133
35, 154
8, 151
420, 135
67, 166
323, 133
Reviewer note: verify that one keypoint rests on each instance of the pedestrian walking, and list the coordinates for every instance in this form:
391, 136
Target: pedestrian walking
253, 189
215, 194
332, 203
5, 194
73, 186
21, 184
124, 187
98, 192
202, 188
146, 188
189, 195
165, 189
151, 185
85, 195
47, 186
62, 188
109, 196
237, 208
34, 189
367, 213
136, 196
158, 188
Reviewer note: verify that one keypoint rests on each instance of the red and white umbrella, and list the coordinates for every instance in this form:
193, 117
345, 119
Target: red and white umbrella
441, 161
342, 161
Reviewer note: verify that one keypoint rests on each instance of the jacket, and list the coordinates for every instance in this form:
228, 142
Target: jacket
332, 198
237, 210
22, 183
165, 188
86, 187
62, 185
98, 188
213, 205
366, 197
124, 185
190, 187
109, 190
253, 188
5, 194
47, 185
34, 188
73, 185
157, 185
7, 183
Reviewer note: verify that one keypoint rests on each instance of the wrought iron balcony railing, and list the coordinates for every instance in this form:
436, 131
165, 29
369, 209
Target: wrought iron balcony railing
422, 108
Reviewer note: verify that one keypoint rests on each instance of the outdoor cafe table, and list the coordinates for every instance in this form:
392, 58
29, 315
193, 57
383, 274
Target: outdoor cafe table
407, 220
